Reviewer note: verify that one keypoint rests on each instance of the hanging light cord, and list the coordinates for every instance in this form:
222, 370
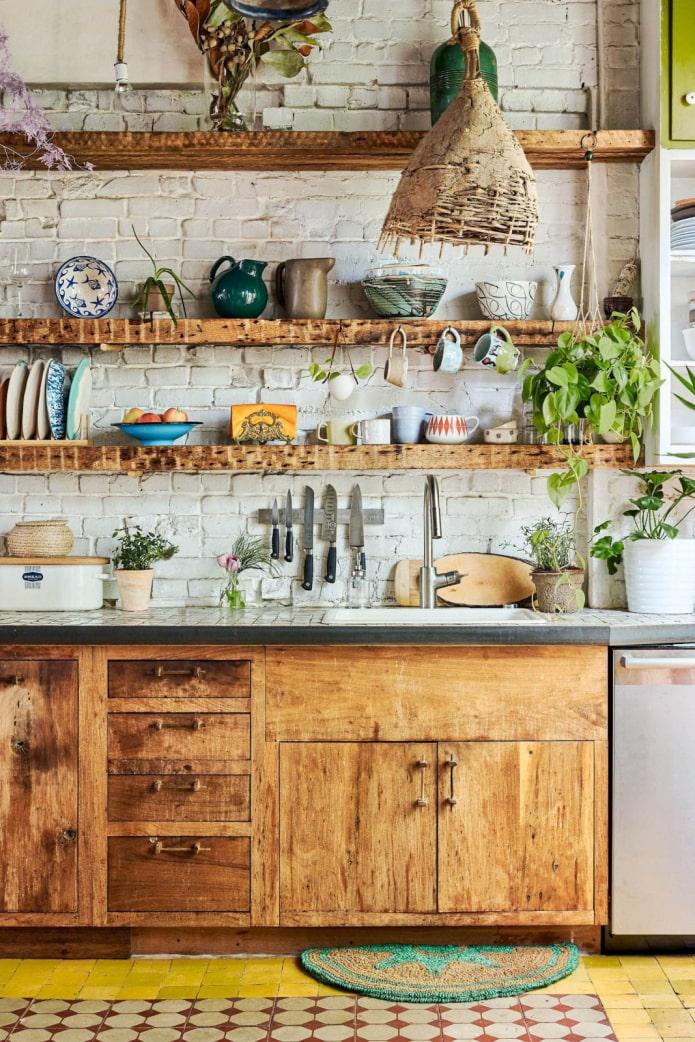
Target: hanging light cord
121, 31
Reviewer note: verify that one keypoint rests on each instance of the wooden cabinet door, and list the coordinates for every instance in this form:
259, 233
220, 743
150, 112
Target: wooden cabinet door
682, 70
353, 837
520, 835
38, 786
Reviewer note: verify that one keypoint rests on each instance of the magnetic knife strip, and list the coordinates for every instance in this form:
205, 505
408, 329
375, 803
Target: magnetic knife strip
370, 516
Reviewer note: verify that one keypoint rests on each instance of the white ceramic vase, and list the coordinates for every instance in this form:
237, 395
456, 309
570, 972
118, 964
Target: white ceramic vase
660, 576
563, 307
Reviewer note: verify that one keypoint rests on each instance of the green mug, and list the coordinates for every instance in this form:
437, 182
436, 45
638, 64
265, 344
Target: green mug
500, 351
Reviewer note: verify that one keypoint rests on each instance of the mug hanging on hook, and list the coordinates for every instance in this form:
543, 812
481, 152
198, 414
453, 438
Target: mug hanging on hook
449, 353
396, 367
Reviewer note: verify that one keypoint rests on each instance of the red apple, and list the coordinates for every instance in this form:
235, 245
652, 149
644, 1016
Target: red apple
175, 416
149, 417
133, 415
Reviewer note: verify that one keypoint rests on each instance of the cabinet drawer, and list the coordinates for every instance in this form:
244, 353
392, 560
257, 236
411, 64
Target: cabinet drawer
210, 797
178, 874
180, 678
458, 693
203, 736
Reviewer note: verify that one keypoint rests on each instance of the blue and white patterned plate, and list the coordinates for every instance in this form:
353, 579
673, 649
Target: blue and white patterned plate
56, 379
86, 287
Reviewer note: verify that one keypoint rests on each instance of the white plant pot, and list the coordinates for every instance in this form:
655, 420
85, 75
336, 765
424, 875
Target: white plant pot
660, 576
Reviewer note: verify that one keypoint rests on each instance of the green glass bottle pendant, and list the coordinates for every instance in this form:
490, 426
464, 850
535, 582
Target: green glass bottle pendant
447, 72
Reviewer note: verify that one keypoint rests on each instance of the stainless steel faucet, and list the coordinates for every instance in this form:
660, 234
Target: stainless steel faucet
430, 580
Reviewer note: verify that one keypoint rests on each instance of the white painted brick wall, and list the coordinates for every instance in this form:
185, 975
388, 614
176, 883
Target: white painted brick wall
372, 75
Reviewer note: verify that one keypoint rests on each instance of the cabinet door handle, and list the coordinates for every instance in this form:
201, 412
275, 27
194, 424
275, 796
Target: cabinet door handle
195, 848
195, 786
689, 98
12, 681
195, 725
197, 672
422, 800
452, 764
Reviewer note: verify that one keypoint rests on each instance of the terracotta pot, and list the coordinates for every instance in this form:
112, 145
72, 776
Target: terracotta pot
556, 591
134, 588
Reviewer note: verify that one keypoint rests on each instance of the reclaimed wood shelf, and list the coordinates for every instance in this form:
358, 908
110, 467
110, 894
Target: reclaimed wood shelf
135, 459
113, 333
313, 150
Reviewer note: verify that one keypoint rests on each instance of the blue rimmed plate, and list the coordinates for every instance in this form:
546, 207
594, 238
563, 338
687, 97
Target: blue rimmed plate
56, 380
86, 287
78, 400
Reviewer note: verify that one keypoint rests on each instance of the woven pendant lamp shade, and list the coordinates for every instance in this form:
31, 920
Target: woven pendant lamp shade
468, 181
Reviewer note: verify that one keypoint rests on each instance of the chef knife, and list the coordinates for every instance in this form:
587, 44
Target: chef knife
356, 528
329, 530
275, 537
308, 582
289, 538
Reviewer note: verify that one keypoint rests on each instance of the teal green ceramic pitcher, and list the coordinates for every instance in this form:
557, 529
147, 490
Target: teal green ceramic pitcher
239, 291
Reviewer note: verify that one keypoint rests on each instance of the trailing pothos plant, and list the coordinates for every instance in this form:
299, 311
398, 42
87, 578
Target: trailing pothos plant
606, 377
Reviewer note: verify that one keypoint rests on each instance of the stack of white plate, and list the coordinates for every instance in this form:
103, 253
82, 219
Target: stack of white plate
42, 402
683, 225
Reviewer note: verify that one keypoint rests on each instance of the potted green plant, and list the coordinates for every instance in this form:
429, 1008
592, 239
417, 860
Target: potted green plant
133, 558
340, 385
659, 566
155, 294
606, 378
558, 572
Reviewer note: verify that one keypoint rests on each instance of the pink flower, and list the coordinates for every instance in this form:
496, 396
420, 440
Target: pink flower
230, 562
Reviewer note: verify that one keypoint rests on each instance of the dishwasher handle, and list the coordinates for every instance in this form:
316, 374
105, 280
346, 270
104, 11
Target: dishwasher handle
628, 661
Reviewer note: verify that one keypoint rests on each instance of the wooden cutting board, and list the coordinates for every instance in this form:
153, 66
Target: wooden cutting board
489, 580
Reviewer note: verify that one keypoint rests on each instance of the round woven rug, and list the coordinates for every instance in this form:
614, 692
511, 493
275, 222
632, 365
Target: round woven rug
440, 973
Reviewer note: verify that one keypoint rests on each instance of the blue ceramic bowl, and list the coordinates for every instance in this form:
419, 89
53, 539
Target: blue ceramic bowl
156, 433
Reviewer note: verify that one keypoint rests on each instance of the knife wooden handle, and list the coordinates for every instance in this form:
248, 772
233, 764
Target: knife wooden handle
331, 564
275, 543
289, 545
308, 571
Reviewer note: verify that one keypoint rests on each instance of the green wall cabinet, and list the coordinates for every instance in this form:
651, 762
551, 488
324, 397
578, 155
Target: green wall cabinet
683, 70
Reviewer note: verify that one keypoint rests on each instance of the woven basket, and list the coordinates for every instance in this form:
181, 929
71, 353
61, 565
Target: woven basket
468, 181
40, 539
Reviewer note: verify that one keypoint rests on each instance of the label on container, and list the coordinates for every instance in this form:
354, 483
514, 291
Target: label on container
32, 579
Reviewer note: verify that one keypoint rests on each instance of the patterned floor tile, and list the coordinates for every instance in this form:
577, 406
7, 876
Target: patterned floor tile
580, 1017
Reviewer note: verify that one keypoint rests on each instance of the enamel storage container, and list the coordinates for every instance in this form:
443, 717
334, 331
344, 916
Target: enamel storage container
52, 584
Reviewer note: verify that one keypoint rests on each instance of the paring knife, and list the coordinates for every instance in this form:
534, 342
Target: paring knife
308, 582
289, 538
329, 530
356, 529
275, 537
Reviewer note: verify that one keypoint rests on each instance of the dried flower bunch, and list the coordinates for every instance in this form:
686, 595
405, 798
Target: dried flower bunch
19, 114
233, 46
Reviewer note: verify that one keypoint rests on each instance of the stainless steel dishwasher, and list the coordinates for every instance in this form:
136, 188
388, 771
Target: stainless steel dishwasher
653, 803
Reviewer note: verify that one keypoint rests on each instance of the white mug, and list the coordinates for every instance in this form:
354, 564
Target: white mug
376, 431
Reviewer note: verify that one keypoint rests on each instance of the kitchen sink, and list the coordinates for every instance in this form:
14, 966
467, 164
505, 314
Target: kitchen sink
398, 616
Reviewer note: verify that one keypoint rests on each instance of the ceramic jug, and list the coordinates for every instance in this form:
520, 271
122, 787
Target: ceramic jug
302, 286
238, 292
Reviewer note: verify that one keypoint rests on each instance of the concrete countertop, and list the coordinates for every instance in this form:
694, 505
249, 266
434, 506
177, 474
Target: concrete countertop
285, 625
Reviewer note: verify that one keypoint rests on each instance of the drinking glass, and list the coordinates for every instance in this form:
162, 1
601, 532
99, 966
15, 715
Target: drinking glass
19, 272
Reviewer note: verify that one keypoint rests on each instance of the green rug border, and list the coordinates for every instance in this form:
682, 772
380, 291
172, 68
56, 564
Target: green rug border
474, 995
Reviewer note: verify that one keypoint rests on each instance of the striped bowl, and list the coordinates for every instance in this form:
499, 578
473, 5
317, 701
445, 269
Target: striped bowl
404, 296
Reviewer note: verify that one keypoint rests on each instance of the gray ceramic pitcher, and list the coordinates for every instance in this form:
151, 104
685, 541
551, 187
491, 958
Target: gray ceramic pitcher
302, 286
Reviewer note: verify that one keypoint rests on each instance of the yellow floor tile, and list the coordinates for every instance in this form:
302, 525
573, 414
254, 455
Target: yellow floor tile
628, 1016
324, 989
607, 973
600, 960
219, 991
261, 990
619, 1002
58, 991
260, 976
614, 987
672, 1022
635, 1031
653, 987
661, 1001
143, 992
181, 992
156, 965
108, 994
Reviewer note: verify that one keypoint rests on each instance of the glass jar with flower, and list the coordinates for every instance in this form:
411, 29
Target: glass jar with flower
247, 553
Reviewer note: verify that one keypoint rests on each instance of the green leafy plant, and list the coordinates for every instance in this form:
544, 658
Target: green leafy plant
651, 512
607, 378
551, 544
137, 550
321, 375
155, 281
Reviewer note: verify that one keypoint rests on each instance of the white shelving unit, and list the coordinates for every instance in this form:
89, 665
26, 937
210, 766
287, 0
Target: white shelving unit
668, 276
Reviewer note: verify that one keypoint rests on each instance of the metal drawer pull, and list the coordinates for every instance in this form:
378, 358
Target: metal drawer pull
422, 800
451, 798
195, 848
159, 725
12, 681
193, 787
196, 671
657, 662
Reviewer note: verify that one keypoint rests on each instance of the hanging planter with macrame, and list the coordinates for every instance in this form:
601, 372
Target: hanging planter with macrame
468, 181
